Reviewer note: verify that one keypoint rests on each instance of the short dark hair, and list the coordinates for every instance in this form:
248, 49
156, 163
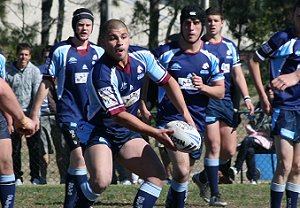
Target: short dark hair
194, 12
23, 46
215, 11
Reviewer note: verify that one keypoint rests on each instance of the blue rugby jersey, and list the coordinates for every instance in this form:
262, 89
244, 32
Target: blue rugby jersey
113, 89
228, 56
181, 66
2, 66
71, 69
283, 51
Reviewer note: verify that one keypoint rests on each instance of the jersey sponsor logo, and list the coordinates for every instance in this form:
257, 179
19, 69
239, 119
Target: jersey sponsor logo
72, 60
204, 71
139, 69
229, 54
108, 97
186, 84
205, 66
140, 76
132, 98
81, 77
175, 66
95, 57
225, 68
84, 67
266, 48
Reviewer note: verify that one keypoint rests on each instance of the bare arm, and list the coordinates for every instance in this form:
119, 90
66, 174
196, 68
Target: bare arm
175, 95
216, 90
254, 69
41, 94
286, 80
240, 81
135, 124
9, 104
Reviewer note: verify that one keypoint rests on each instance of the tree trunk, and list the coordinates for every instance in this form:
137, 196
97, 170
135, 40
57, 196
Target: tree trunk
46, 21
154, 18
60, 20
103, 9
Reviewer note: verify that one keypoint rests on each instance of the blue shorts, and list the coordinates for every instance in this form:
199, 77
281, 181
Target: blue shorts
221, 110
196, 155
286, 123
4, 133
89, 136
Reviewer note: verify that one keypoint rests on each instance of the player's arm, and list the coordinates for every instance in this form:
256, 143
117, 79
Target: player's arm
175, 95
133, 123
286, 80
10, 105
254, 68
240, 81
40, 96
216, 90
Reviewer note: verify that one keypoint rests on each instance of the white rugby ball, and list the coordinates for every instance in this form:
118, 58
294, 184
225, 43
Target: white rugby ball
185, 137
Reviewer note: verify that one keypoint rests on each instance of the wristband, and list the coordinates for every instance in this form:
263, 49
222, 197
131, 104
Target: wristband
247, 98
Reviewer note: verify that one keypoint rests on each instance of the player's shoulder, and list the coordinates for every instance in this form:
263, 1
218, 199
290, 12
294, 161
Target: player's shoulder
140, 53
283, 36
96, 47
165, 48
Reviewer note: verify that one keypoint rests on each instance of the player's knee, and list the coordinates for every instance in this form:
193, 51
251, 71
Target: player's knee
296, 168
6, 165
99, 185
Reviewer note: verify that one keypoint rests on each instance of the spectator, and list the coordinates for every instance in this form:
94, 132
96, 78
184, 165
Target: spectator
24, 79
258, 140
50, 132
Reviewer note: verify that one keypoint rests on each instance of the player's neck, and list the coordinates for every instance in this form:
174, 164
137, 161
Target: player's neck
80, 44
214, 38
190, 47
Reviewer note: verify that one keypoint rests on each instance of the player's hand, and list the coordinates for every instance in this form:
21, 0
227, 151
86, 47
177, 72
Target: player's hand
163, 137
25, 126
250, 107
285, 80
198, 82
146, 116
266, 106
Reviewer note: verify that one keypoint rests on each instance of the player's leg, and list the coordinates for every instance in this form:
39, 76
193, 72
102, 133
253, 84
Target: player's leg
77, 173
134, 155
283, 168
7, 177
99, 163
211, 162
293, 182
179, 183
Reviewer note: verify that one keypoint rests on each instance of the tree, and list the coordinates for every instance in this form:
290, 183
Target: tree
257, 19
60, 21
46, 21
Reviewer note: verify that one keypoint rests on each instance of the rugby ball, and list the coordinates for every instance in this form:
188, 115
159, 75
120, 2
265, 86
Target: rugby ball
185, 137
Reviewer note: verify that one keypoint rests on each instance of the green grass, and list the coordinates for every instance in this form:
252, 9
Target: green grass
50, 196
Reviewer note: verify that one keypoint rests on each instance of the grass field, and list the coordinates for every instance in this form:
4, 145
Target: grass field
50, 196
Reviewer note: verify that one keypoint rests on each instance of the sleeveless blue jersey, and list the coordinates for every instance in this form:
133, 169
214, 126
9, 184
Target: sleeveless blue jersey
228, 56
71, 70
283, 51
113, 89
181, 66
